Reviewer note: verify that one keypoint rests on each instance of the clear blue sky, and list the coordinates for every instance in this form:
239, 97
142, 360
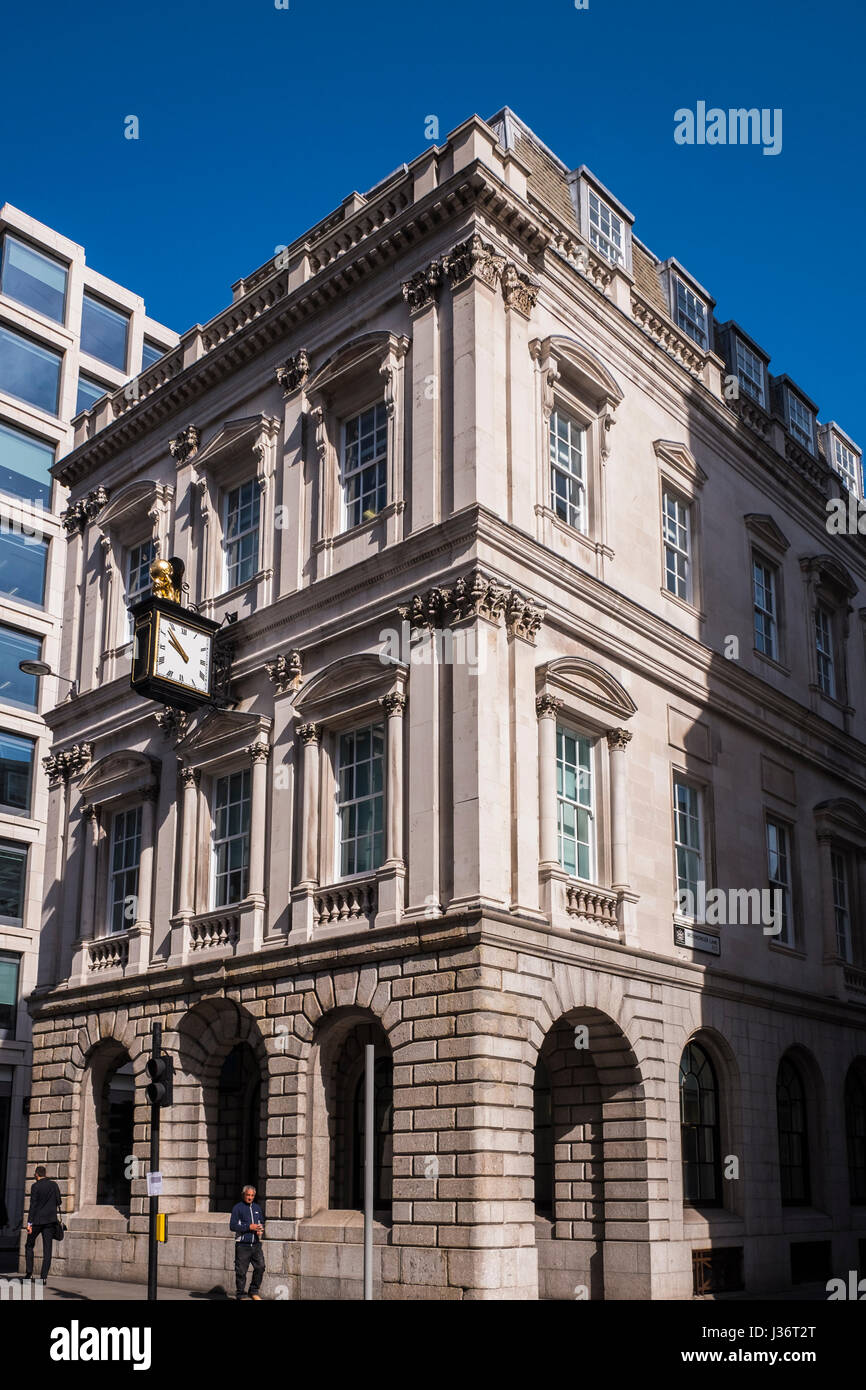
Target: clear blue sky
255, 122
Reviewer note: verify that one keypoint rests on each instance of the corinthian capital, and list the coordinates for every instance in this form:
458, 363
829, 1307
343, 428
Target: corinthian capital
422, 289
618, 739
546, 706
473, 257
309, 733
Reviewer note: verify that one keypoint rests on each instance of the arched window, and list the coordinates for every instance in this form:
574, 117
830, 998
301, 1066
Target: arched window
542, 1096
238, 1123
855, 1131
699, 1125
383, 1096
793, 1136
116, 1121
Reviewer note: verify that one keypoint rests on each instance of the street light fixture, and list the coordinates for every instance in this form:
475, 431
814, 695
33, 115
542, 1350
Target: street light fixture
41, 668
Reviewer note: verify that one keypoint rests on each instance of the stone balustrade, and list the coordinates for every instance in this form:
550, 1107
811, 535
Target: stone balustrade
592, 903
345, 902
108, 953
211, 931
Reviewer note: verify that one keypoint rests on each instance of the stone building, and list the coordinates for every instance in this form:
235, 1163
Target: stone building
543, 666
67, 335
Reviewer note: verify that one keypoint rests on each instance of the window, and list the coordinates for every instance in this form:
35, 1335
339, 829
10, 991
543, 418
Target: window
800, 421
699, 1129
847, 465
9, 967
15, 687
793, 1138
139, 559
242, 533
360, 800
116, 1135
23, 559
750, 372
103, 332
841, 905
33, 279
28, 371
779, 875
13, 875
575, 807
677, 543
824, 651
764, 588
24, 465
605, 230
365, 458
688, 843
150, 353
568, 470
231, 838
16, 774
89, 392
855, 1133
690, 312
125, 856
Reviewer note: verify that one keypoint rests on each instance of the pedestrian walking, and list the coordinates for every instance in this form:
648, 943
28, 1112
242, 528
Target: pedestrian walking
248, 1223
42, 1219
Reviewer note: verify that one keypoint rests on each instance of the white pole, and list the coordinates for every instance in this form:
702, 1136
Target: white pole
369, 1162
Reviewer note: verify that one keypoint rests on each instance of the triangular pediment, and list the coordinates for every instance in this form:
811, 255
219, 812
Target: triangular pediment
680, 458
236, 437
766, 530
221, 733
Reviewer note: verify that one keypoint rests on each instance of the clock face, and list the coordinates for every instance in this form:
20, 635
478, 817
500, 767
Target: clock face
183, 654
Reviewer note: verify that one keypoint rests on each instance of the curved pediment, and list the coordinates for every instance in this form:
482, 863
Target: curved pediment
828, 568
578, 680
221, 734
576, 361
133, 498
842, 815
367, 352
350, 682
119, 774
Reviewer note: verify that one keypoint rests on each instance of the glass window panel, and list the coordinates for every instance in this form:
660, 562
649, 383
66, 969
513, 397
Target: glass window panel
150, 353
16, 774
103, 332
23, 560
24, 465
360, 800
33, 278
13, 873
231, 812
15, 687
575, 805
89, 392
28, 371
365, 446
10, 964
242, 507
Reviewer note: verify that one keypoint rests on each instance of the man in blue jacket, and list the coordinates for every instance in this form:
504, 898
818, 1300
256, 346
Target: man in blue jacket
248, 1223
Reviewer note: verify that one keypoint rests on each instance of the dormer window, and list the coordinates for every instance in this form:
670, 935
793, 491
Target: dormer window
843, 457
606, 230
750, 372
800, 421
689, 311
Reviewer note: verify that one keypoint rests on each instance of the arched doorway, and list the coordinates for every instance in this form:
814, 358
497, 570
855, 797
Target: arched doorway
238, 1127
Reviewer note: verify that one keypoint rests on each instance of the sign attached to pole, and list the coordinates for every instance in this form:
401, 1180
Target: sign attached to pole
154, 1184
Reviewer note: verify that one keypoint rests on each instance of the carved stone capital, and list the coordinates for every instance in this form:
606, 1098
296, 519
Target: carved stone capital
618, 739
473, 257
546, 706
67, 763
173, 723
519, 291
309, 733
188, 776
76, 516
475, 595
422, 289
184, 446
258, 752
293, 372
393, 704
286, 671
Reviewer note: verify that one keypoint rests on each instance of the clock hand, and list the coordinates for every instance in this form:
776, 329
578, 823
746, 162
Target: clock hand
178, 648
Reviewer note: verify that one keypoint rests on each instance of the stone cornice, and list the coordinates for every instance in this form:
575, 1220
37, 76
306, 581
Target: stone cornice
474, 595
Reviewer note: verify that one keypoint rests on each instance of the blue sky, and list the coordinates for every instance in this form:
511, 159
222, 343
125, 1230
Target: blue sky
255, 122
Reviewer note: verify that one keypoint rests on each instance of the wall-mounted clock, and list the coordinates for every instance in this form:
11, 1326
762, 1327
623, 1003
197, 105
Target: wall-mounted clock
172, 657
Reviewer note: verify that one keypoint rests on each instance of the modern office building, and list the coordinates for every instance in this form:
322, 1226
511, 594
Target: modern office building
541, 767
67, 335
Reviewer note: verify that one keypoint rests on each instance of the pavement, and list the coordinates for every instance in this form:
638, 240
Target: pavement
62, 1290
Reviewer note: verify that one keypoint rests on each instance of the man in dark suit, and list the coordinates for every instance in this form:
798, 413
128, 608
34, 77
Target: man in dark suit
45, 1203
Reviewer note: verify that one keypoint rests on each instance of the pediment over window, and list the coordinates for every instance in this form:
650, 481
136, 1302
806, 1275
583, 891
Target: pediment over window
583, 686
681, 459
350, 685
573, 362
120, 774
764, 528
842, 819
249, 435
222, 734
370, 353
134, 508
830, 572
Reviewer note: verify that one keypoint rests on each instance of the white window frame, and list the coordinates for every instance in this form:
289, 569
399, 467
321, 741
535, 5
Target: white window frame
847, 464
379, 461
840, 873
245, 774
586, 779
680, 780
677, 542
601, 241
745, 360
230, 544
695, 327
770, 615
575, 445
825, 655
370, 797
132, 594
798, 412
121, 818
783, 878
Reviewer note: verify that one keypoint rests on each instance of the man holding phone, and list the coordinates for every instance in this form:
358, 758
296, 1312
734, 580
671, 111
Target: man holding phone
248, 1223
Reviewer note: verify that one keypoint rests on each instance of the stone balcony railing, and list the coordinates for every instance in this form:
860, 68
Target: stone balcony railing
679, 345
753, 416
593, 904
106, 953
811, 468
346, 902
211, 931
855, 983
